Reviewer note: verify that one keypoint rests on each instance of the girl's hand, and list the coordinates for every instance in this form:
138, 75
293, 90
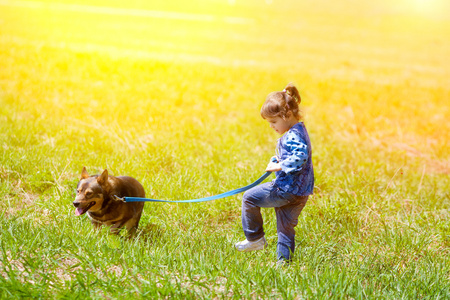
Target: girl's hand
274, 165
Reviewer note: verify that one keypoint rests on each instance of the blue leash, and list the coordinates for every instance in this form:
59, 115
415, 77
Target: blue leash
223, 195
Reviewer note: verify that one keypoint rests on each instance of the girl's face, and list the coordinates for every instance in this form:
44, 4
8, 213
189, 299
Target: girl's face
281, 125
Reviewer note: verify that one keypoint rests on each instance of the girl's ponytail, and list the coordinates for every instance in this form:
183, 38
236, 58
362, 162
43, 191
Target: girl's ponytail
292, 91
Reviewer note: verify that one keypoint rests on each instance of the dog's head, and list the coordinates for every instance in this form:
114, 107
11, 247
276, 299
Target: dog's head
90, 192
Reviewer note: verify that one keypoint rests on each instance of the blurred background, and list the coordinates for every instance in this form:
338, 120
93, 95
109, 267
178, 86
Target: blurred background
162, 77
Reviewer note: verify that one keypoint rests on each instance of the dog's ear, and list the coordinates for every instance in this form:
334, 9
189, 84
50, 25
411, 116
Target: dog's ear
84, 174
103, 179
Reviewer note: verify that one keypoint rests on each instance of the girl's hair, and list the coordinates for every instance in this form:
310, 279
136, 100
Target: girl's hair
278, 104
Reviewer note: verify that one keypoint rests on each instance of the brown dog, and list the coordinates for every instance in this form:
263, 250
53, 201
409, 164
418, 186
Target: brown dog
95, 195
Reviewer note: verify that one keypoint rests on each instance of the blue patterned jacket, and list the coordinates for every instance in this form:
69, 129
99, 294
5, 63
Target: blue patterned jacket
294, 152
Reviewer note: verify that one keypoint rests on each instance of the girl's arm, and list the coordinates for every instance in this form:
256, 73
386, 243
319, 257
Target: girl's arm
298, 154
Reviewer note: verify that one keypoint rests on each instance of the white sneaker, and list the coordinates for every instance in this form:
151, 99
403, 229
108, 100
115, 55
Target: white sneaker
246, 245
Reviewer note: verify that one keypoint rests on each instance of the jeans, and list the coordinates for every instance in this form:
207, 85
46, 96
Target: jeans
287, 208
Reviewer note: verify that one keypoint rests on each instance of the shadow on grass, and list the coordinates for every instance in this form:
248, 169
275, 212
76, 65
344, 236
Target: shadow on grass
151, 232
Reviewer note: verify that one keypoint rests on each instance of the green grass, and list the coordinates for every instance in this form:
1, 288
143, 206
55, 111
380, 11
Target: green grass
175, 102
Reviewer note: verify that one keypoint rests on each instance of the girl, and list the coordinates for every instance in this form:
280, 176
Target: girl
294, 181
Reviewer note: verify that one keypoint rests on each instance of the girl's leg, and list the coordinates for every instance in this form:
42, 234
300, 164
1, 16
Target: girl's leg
264, 195
287, 219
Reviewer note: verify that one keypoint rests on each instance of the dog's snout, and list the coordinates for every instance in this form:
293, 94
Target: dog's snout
76, 204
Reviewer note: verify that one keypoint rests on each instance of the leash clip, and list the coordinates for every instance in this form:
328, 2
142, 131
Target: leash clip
117, 198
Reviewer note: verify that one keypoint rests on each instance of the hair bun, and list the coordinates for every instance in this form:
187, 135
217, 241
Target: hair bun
292, 91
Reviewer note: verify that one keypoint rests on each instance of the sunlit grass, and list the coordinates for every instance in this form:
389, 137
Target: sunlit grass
170, 94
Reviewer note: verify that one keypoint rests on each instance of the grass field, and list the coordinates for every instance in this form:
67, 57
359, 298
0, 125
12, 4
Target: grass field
170, 92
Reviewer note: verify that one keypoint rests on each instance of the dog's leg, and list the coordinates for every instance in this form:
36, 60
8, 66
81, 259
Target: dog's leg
131, 225
115, 229
96, 224
132, 231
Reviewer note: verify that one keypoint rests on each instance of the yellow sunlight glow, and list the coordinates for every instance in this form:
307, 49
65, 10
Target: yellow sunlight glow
431, 8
